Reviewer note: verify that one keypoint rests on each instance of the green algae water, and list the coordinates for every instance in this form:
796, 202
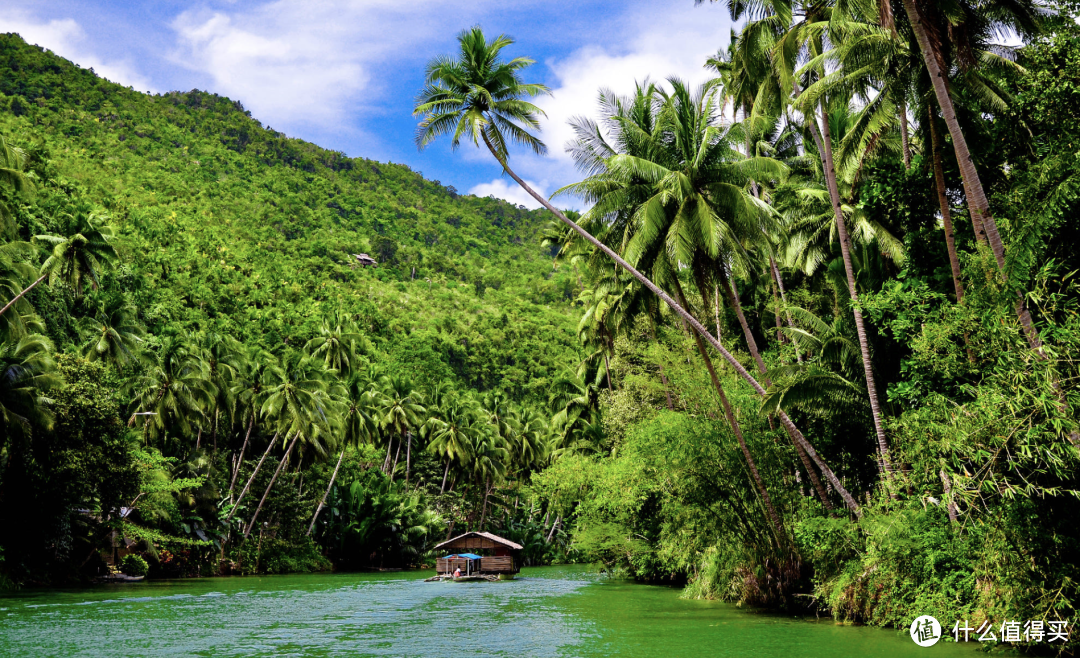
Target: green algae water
550, 611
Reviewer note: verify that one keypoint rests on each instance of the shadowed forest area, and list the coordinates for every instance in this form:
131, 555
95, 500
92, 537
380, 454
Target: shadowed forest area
813, 345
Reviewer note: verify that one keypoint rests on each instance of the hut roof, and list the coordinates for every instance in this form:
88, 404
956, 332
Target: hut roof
478, 538
365, 259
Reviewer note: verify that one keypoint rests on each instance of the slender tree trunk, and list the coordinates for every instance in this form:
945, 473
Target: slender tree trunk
446, 472
783, 298
20, 295
322, 503
262, 501
759, 484
397, 454
389, 447
408, 455
240, 459
694, 324
733, 298
607, 372
252, 478
845, 251
948, 497
716, 309
198, 439
483, 513
943, 204
902, 110
551, 535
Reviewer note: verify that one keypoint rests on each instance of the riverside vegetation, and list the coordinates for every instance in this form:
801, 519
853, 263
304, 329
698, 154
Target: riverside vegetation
824, 354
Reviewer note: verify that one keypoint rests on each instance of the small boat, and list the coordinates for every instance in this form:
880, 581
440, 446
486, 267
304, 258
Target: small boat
120, 578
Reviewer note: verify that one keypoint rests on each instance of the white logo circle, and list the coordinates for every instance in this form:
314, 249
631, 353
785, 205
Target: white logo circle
925, 631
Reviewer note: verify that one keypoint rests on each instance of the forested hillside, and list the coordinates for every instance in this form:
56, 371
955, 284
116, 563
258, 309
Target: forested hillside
223, 251
230, 226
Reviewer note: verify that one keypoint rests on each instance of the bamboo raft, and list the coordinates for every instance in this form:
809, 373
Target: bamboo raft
491, 578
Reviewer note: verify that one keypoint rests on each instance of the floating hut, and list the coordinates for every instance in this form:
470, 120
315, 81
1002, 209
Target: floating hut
479, 554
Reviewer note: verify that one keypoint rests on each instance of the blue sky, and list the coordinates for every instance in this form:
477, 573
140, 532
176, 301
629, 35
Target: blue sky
343, 73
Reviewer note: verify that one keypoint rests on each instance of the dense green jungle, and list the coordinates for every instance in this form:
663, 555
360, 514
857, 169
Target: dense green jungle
813, 345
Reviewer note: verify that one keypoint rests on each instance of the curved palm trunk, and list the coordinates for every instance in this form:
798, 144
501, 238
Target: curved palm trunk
733, 298
240, 457
825, 144
20, 295
682, 313
759, 484
446, 472
943, 204
252, 478
322, 503
262, 501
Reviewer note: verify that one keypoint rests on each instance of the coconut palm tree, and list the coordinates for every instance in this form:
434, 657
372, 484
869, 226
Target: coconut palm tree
452, 433
76, 259
115, 333
362, 402
302, 407
481, 97
256, 371
400, 414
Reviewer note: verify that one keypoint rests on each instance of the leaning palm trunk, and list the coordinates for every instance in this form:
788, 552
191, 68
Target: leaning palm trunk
240, 457
946, 215
252, 478
20, 295
824, 139
322, 503
783, 299
689, 319
262, 501
751, 343
446, 472
766, 500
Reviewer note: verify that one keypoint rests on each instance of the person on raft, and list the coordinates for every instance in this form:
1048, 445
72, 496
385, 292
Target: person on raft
457, 572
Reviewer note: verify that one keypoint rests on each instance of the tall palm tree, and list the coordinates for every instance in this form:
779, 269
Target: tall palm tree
76, 259
362, 402
452, 433
481, 97
303, 408
400, 414
257, 370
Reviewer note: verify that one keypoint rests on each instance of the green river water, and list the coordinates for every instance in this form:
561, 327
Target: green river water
549, 611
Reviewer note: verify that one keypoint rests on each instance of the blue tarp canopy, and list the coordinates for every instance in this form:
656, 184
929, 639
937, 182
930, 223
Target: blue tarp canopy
467, 556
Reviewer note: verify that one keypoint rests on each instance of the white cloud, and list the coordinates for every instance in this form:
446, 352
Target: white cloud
654, 45
501, 188
307, 61
66, 38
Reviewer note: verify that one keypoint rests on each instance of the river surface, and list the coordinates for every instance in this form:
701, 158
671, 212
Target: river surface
548, 611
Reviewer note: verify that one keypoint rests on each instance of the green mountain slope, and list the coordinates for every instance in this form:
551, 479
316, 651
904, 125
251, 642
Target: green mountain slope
230, 226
